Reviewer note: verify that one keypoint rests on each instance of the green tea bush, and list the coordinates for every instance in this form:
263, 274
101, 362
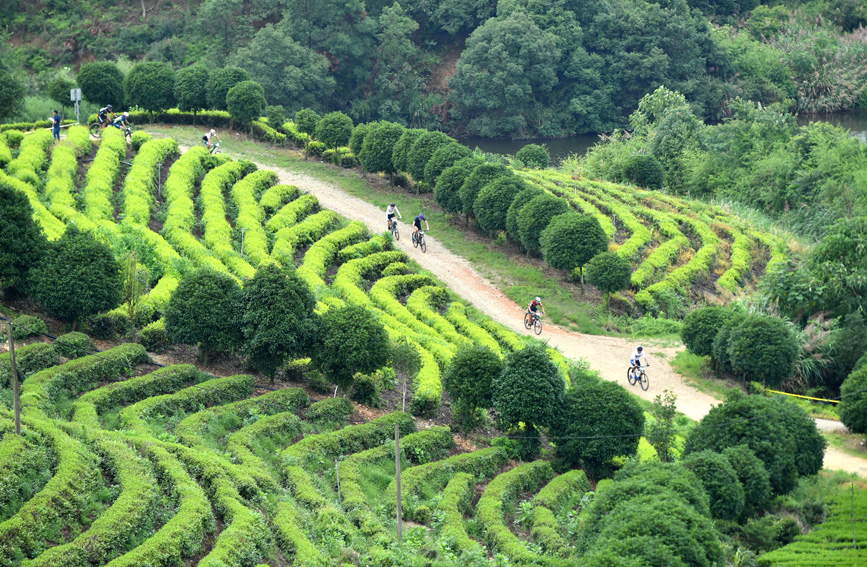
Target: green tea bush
74, 345
534, 156
720, 481
449, 182
645, 171
571, 240
493, 201
24, 326
316, 148
138, 139
29, 359
334, 129
328, 410
535, 216
701, 326
154, 336
481, 176
609, 272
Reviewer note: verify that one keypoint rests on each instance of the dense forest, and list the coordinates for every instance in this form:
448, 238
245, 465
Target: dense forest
513, 68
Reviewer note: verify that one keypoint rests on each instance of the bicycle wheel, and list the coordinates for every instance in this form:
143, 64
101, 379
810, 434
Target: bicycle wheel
422, 244
645, 381
95, 130
537, 326
630, 376
526, 320
415, 240
395, 231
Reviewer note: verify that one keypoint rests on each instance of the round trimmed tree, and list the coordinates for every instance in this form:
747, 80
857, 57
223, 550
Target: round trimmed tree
191, 88
101, 83
518, 203
534, 156
59, 89
334, 129
444, 157
378, 147
151, 85
763, 348
246, 101
645, 171
609, 272
720, 481
356, 140
481, 176
278, 322
494, 200
204, 310
468, 380
219, 83
535, 217
529, 390
701, 326
571, 240
351, 339
421, 151
720, 348
447, 190
23, 241
306, 120
753, 476
77, 277
400, 154
853, 401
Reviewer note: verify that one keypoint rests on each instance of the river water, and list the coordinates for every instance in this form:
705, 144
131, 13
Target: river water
561, 148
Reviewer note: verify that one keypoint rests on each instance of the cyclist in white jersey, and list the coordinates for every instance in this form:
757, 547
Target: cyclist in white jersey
390, 211
637, 355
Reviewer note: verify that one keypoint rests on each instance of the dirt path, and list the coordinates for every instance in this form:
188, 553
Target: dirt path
608, 355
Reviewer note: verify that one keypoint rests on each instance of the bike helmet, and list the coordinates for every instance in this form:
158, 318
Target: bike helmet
537, 299
213, 132
640, 348
421, 216
126, 114
108, 107
392, 205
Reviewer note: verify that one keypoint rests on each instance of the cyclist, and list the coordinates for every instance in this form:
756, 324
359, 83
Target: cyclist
207, 138
416, 224
103, 113
635, 361
120, 121
534, 307
390, 211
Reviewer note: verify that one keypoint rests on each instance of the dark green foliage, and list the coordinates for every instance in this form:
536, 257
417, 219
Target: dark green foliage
601, 409
204, 310
720, 481
276, 116
468, 379
421, 151
609, 272
701, 326
23, 241
571, 240
771, 532
720, 348
645, 171
356, 140
334, 129
365, 391
853, 404
219, 83
481, 176
444, 157
848, 343
351, 339
753, 477
769, 427
29, 359
306, 120
400, 153
534, 156
77, 277
24, 326
329, 410
378, 147
11, 95
493, 202
191, 88
101, 83
448, 186
535, 217
763, 348
518, 203
278, 321
58, 90
150, 85
74, 345
246, 101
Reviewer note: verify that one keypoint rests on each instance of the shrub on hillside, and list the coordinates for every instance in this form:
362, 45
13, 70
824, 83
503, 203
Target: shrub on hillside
422, 150
58, 90
74, 345
444, 157
720, 348
753, 476
204, 311
77, 277
481, 176
720, 481
853, 401
609, 272
334, 129
23, 241
101, 83
306, 120
701, 326
518, 203
356, 140
351, 339
246, 101
29, 360
24, 326
535, 217
150, 85
11, 95
191, 88
597, 408
400, 154
448, 186
276, 116
763, 348
571, 240
468, 380
220, 81
493, 201
534, 156
378, 147
645, 171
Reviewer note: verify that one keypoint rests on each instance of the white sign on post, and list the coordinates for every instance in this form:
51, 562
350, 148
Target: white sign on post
75, 95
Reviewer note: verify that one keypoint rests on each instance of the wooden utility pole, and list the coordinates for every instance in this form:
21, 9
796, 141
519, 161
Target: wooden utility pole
16, 403
397, 479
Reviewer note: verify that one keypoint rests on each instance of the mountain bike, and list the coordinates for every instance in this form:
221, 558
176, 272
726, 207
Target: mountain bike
96, 130
394, 232
418, 240
532, 320
638, 374
215, 148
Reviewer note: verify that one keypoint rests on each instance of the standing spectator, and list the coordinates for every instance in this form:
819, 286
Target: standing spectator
55, 121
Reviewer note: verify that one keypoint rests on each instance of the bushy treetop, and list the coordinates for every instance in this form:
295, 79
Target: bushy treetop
378, 147
701, 326
219, 83
334, 129
571, 240
720, 481
351, 339
609, 272
101, 83
151, 85
493, 202
421, 151
534, 156
444, 157
481, 176
23, 241
535, 216
246, 101
191, 88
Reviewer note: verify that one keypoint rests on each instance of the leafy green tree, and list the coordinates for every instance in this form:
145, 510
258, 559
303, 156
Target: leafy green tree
448, 186
661, 432
600, 409
204, 310
571, 240
507, 69
219, 19
443, 157
306, 120
753, 476
278, 321
400, 154
293, 75
645, 171
151, 85
334, 129
811, 443
853, 401
356, 140
58, 90
77, 277
246, 101
23, 241
720, 481
493, 201
351, 340
720, 349
530, 391
378, 147
191, 88
534, 156
395, 79
763, 348
219, 83
276, 116
468, 380
101, 83
481, 176
609, 272
701, 326
535, 217
11, 95
518, 203
840, 263
421, 151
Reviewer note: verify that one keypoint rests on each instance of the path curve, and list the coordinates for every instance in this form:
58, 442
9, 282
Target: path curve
608, 355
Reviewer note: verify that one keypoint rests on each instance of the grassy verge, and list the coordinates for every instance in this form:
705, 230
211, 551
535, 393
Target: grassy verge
850, 443
698, 374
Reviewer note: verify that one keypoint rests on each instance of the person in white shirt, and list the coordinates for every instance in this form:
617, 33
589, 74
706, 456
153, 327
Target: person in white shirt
207, 138
390, 211
635, 361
